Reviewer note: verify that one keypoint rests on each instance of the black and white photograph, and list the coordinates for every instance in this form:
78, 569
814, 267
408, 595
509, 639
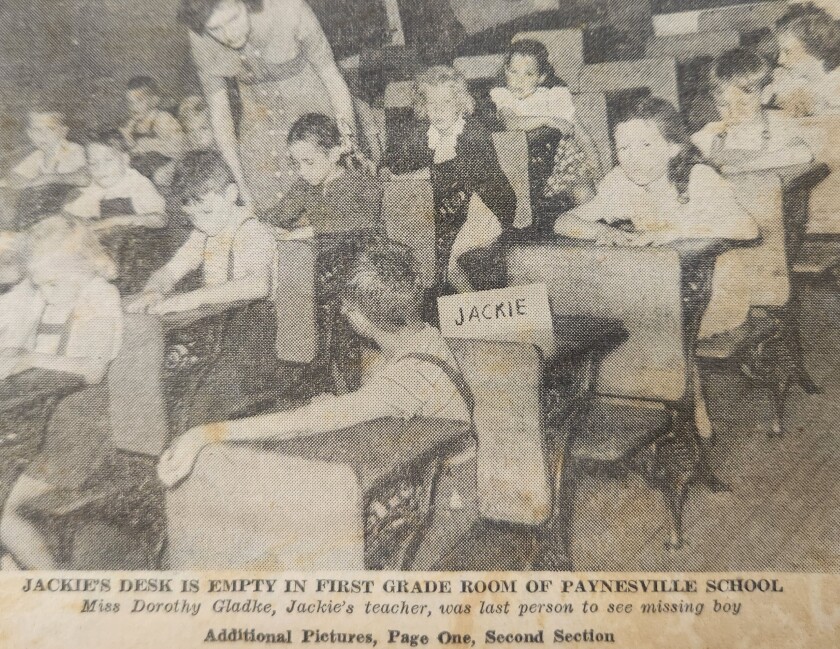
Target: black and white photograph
420, 285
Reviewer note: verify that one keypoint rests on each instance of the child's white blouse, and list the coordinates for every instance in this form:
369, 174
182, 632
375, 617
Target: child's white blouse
712, 210
553, 102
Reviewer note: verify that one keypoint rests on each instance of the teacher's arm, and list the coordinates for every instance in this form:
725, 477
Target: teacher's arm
221, 122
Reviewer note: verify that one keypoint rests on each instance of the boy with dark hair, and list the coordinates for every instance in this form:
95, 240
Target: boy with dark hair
234, 253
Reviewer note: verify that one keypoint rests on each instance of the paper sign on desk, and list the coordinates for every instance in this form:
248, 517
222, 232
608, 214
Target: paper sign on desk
515, 314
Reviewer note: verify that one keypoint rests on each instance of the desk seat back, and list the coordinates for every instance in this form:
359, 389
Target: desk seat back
512, 152
295, 301
659, 75
684, 47
505, 379
139, 420
408, 208
639, 287
745, 17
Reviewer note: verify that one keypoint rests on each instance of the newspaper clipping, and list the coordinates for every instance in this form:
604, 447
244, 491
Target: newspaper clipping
419, 323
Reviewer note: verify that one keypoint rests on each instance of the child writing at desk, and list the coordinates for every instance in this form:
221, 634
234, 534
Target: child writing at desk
63, 317
748, 137
234, 254
341, 202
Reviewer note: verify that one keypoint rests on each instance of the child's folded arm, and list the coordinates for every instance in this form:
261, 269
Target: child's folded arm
796, 153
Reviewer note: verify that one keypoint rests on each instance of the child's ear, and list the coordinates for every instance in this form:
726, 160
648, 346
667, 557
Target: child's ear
232, 193
674, 149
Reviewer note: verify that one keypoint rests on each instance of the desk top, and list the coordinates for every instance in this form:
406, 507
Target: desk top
380, 448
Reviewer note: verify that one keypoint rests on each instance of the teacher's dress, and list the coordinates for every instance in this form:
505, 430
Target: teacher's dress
276, 73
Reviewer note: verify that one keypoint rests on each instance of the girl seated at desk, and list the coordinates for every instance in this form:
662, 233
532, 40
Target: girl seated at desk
660, 192
563, 161
63, 317
339, 199
234, 253
749, 137
474, 201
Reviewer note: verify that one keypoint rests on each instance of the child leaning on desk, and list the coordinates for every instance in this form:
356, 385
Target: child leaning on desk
64, 316
749, 137
661, 191
234, 254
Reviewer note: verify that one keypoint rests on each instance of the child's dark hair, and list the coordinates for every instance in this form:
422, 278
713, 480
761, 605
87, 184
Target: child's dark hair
144, 83
316, 128
195, 13
537, 51
742, 68
199, 173
383, 283
818, 31
109, 137
323, 131
672, 127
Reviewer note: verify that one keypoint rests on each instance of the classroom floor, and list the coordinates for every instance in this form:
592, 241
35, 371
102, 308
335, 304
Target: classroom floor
783, 513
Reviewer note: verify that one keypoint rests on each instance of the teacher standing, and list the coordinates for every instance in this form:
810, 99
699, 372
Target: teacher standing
277, 53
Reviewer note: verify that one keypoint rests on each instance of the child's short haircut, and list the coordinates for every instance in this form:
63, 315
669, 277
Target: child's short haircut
743, 69
384, 284
537, 51
75, 234
318, 129
144, 83
818, 32
439, 75
199, 173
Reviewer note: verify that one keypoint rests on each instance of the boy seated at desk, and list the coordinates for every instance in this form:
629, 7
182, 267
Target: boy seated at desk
44, 177
415, 375
234, 253
748, 137
154, 136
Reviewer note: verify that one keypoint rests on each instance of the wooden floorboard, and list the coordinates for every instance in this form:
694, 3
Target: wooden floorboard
783, 511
